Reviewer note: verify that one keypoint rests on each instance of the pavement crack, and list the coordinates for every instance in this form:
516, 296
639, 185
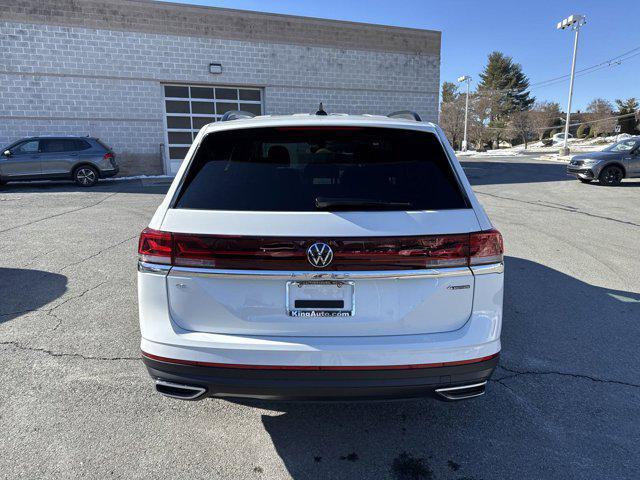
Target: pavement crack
63, 354
557, 206
517, 373
97, 253
59, 214
40, 255
50, 311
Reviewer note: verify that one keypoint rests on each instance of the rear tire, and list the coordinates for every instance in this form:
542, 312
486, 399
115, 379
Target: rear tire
585, 180
85, 176
611, 176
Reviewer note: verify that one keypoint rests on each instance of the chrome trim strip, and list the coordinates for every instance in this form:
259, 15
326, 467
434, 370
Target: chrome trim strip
461, 387
158, 268
451, 393
195, 391
303, 275
490, 268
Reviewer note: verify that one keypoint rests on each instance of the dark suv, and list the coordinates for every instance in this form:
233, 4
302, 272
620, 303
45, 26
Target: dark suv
82, 159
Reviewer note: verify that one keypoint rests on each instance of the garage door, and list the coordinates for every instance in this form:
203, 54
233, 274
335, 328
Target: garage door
189, 107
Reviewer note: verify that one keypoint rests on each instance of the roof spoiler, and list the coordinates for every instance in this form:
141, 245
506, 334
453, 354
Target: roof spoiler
236, 115
405, 114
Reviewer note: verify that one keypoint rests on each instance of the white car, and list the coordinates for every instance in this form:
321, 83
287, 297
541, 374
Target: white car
320, 257
559, 138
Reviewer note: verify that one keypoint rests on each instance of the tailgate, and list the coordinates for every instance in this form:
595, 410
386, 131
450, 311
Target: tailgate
333, 301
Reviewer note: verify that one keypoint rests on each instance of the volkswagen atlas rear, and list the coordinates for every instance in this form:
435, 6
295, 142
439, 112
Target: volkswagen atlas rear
314, 257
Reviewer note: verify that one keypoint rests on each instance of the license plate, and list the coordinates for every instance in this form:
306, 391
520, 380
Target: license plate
322, 298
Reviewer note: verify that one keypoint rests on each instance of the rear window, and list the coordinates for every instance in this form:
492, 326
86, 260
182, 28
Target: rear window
306, 169
107, 147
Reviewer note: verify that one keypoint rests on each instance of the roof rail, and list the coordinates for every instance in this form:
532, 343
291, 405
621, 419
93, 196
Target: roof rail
406, 114
236, 115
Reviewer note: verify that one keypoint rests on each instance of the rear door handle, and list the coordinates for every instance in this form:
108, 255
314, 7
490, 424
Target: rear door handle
73, 154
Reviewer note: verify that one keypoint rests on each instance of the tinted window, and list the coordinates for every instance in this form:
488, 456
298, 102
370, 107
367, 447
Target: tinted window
226, 93
52, 146
180, 137
56, 145
80, 145
199, 122
303, 169
174, 106
178, 122
26, 147
107, 147
175, 91
201, 92
253, 95
224, 107
254, 108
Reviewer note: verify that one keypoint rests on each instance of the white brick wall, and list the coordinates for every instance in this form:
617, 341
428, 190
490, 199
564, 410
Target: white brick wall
72, 80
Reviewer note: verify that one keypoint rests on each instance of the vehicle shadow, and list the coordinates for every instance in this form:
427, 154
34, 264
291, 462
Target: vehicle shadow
123, 186
23, 291
625, 183
551, 322
489, 172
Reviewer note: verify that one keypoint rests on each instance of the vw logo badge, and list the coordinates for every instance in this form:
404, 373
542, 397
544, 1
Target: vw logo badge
319, 255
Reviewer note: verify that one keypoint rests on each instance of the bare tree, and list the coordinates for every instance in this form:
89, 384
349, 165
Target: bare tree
520, 125
600, 111
452, 120
544, 116
479, 131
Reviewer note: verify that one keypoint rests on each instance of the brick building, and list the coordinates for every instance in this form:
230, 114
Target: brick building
144, 76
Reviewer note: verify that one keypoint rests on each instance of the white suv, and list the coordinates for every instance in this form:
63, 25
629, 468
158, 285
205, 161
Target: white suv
320, 257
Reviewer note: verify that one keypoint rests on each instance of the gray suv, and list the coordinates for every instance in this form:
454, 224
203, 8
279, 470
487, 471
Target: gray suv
611, 165
82, 159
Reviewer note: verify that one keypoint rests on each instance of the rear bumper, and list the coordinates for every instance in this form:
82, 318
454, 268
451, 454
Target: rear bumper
109, 173
320, 383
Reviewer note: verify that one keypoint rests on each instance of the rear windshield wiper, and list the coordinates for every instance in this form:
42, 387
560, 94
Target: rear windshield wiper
342, 203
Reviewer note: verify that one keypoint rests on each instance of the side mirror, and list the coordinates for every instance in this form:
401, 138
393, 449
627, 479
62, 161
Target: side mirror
7, 153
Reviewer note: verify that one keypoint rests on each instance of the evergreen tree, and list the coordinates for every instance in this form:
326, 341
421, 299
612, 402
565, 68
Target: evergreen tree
506, 86
449, 92
627, 107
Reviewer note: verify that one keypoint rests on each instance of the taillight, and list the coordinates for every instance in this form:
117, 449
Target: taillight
155, 246
193, 251
485, 247
282, 253
110, 157
400, 253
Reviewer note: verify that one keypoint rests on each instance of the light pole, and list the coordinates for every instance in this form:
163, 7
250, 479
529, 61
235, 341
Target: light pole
574, 22
465, 78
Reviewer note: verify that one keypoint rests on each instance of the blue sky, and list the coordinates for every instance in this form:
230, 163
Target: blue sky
524, 30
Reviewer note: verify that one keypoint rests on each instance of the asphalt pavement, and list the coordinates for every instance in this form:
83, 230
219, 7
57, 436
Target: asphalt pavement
76, 401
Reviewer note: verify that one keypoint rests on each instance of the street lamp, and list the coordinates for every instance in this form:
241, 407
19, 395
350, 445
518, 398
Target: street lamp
574, 22
465, 78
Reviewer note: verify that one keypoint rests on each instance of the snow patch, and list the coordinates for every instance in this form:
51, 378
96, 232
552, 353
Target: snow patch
137, 177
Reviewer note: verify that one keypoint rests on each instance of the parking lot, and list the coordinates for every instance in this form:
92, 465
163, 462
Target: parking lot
76, 401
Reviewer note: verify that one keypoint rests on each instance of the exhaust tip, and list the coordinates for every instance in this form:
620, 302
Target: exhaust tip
178, 390
462, 392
